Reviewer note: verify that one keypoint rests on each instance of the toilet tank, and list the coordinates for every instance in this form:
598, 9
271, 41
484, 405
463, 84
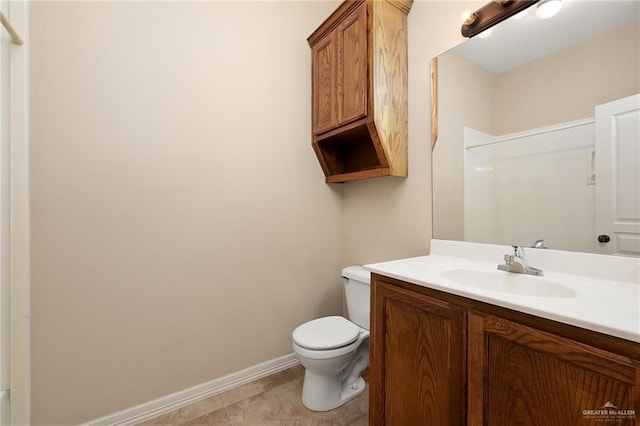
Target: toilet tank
358, 294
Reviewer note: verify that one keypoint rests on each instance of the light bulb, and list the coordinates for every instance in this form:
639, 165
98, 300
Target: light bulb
548, 8
486, 33
465, 15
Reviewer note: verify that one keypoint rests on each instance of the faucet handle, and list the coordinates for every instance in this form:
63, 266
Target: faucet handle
508, 259
539, 244
518, 251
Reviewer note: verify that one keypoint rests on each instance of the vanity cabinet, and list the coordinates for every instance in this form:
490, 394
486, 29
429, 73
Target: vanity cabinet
359, 90
441, 359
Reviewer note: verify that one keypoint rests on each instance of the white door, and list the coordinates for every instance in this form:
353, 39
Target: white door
618, 176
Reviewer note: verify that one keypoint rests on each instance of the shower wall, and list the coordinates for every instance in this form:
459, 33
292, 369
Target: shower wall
532, 185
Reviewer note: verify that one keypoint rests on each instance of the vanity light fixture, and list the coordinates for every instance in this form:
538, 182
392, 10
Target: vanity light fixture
521, 15
468, 17
548, 8
491, 14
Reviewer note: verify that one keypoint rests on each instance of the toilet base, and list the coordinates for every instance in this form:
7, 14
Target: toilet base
325, 393
333, 377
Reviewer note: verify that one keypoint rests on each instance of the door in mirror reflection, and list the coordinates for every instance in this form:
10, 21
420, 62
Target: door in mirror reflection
618, 176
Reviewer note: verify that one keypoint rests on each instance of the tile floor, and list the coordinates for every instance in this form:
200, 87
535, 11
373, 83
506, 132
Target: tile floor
270, 401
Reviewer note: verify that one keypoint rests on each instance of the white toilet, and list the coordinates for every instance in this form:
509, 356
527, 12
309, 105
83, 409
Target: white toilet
334, 350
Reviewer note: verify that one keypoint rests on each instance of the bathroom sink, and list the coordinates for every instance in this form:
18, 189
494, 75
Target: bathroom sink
507, 282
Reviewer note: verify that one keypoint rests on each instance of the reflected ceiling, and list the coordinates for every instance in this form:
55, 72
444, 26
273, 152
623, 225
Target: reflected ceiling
525, 38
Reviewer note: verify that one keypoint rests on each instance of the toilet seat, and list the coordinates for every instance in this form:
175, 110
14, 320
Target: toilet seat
326, 333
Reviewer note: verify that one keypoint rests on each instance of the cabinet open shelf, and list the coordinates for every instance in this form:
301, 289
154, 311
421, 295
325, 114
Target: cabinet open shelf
351, 154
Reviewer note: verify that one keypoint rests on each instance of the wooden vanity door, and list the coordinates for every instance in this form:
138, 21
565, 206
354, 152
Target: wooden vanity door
522, 376
418, 362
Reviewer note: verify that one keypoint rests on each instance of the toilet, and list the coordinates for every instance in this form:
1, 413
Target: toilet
334, 350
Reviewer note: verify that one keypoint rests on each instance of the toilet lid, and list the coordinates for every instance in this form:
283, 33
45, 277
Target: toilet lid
326, 333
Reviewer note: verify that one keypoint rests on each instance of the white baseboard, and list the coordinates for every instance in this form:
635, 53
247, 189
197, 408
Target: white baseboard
180, 399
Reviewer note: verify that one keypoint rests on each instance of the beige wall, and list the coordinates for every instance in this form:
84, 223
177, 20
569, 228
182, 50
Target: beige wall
390, 218
599, 70
181, 226
464, 89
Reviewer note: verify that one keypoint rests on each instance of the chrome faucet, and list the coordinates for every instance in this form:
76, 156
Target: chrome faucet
515, 263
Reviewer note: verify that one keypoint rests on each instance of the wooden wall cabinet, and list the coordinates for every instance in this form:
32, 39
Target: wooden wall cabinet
440, 359
359, 90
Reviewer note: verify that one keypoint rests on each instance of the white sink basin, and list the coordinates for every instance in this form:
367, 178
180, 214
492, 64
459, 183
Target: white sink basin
508, 282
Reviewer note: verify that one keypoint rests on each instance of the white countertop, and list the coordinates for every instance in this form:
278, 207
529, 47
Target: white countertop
610, 306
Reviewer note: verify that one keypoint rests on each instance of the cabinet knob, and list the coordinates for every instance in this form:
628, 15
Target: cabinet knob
604, 238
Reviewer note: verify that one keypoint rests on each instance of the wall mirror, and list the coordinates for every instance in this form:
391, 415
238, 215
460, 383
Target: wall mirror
538, 133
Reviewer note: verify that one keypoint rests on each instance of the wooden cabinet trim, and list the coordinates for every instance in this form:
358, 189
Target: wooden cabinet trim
402, 5
334, 132
377, 373
362, 174
616, 366
623, 347
476, 358
411, 298
332, 22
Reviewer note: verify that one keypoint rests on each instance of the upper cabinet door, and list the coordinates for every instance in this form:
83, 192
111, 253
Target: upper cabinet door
324, 70
352, 70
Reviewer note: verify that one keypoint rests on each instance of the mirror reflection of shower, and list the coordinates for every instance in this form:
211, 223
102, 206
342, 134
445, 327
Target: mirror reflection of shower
531, 185
517, 157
